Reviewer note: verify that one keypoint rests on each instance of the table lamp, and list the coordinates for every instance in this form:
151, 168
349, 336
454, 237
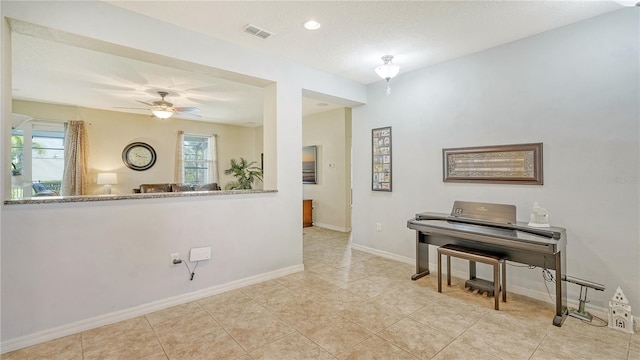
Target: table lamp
107, 179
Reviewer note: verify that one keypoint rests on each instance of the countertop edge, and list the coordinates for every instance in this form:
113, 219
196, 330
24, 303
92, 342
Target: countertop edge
114, 197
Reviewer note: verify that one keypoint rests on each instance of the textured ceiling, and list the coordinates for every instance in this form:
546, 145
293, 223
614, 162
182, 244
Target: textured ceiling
356, 34
353, 37
54, 72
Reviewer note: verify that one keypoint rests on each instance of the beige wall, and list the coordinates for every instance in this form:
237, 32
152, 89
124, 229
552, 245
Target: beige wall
110, 131
330, 131
258, 140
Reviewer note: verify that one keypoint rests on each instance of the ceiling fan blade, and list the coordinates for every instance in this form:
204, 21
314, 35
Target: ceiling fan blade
144, 102
186, 109
187, 115
129, 108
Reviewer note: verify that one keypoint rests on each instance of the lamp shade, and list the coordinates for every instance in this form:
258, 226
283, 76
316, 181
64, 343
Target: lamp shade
162, 114
387, 70
107, 178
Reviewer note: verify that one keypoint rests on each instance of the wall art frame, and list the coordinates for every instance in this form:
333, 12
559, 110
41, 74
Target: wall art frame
498, 164
310, 164
381, 159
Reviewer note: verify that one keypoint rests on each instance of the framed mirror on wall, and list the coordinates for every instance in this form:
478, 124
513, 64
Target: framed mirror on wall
119, 107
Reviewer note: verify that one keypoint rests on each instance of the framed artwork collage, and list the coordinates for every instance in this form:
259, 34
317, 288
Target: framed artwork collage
381, 159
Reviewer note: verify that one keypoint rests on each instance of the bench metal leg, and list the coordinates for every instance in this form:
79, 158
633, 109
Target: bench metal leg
448, 270
496, 285
504, 281
439, 272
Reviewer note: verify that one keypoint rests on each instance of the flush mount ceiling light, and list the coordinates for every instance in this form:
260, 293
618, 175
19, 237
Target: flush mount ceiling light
387, 70
311, 25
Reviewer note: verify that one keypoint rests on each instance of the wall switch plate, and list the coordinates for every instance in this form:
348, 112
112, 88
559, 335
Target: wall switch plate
174, 256
202, 253
379, 227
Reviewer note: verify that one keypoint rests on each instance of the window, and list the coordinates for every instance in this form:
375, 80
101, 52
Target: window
197, 152
47, 156
17, 164
43, 164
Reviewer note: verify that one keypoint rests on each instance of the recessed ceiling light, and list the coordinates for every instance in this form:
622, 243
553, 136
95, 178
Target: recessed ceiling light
312, 25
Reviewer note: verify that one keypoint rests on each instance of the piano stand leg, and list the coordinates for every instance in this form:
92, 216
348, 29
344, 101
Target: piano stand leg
472, 270
422, 257
418, 276
561, 289
559, 319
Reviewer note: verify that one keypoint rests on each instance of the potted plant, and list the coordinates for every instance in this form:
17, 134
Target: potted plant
245, 173
15, 171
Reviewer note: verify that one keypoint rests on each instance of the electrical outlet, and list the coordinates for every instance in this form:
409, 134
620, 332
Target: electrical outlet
174, 256
379, 227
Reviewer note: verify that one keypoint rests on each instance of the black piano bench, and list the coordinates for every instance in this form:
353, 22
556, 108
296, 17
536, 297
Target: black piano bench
473, 255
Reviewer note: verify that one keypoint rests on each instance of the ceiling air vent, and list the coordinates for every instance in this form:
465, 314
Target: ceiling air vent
256, 31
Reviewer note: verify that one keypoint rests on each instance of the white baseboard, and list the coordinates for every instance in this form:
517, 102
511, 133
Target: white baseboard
331, 227
384, 254
125, 314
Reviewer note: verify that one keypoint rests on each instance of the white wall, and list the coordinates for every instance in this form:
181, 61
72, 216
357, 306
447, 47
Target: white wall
575, 89
66, 263
329, 131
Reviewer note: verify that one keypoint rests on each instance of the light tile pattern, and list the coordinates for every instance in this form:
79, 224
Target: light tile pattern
347, 304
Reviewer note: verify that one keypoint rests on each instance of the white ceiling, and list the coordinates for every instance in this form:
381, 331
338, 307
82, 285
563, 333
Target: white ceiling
353, 37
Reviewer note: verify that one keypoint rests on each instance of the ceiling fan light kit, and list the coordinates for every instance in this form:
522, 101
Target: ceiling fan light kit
163, 109
387, 70
162, 114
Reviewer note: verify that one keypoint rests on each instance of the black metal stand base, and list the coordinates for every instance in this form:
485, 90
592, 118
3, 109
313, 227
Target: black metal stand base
559, 319
418, 276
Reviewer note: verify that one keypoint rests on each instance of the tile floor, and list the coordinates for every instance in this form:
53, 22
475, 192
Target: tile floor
347, 304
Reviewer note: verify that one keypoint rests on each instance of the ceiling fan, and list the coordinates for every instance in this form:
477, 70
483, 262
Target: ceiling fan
163, 109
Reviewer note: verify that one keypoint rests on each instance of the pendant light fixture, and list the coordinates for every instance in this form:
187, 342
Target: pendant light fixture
387, 70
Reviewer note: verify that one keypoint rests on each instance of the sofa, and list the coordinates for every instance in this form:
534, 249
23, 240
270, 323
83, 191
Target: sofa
40, 190
173, 187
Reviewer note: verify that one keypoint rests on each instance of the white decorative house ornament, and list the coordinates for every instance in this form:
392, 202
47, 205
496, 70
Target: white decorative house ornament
620, 317
539, 217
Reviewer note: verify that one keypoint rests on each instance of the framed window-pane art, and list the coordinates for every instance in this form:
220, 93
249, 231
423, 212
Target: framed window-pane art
504, 164
381, 159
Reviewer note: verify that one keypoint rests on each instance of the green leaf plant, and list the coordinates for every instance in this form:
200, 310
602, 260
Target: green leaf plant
245, 173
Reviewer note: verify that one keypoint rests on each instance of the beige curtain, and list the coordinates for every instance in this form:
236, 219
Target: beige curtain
178, 174
75, 180
213, 169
